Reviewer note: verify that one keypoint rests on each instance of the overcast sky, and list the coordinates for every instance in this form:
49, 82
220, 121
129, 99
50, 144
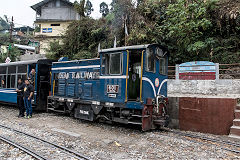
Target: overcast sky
24, 15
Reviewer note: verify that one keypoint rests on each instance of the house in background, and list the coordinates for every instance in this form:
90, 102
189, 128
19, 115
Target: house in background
52, 20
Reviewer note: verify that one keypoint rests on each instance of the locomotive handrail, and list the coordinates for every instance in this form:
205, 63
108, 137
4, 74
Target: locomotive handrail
126, 76
53, 87
141, 76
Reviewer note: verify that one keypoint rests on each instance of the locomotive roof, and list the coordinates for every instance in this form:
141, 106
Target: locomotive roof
127, 48
81, 60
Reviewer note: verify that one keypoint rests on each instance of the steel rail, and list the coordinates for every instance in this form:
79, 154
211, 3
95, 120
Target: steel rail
208, 139
72, 152
25, 149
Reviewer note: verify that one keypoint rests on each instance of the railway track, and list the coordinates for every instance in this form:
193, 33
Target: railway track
223, 144
52, 147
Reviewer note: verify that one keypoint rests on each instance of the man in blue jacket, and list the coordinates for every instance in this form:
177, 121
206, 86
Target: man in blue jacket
28, 95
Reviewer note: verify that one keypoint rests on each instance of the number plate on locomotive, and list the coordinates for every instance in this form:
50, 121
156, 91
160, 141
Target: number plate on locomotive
112, 88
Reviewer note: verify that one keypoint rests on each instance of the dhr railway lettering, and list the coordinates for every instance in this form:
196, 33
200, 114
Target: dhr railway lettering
79, 75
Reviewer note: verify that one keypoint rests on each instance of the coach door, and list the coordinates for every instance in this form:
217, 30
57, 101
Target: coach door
135, 58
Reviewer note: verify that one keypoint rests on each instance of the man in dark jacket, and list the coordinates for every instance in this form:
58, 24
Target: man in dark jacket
28, 95
20, 102
31, 76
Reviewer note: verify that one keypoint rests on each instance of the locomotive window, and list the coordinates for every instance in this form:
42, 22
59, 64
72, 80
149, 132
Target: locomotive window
150, 60
105, 64
115, 66
163, 66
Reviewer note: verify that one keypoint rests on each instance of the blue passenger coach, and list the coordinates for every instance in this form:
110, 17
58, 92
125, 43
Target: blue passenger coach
125, 85
11, 72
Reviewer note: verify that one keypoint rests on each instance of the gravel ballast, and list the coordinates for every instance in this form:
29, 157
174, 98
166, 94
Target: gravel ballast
104, 141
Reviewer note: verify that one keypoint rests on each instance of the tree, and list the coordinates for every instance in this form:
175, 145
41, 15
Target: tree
123, 11
83, 8
191, 30
113, 3
89, 8
14, 54
104, 9
81, 39
80, 8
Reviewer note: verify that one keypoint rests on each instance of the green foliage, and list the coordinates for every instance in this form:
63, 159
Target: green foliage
187, 27
104, 9
4, 39
83, 8
191, 30
81, 40
89, 8
55, 50
13, 54
80, 7
37, 29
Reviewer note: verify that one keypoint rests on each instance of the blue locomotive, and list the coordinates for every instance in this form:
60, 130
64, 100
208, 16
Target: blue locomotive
11, 72
125, 85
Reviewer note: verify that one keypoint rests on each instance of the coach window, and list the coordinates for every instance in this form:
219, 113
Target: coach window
115, 65
150, 60
3, 81
22, 72
11, 77
3, 72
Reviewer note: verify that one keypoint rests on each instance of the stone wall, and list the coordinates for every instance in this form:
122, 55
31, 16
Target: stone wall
222, 88
217, 105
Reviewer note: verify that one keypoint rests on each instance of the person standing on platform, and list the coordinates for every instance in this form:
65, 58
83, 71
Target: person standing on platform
28, 95
20, 102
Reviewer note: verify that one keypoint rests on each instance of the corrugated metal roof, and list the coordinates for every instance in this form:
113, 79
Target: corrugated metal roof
36, 6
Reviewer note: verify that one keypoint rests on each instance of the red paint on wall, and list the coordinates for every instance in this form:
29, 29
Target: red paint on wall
206, 115
197, 76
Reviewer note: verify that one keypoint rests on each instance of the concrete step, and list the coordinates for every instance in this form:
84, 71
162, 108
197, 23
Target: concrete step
234, 136
237, 114
235, 130
236, 122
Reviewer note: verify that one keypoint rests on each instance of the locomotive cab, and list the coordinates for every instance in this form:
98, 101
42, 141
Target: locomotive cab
139, 83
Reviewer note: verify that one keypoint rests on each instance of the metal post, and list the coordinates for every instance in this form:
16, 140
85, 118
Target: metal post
177, 72
16, 77
10, 37
6, 83
217, 70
